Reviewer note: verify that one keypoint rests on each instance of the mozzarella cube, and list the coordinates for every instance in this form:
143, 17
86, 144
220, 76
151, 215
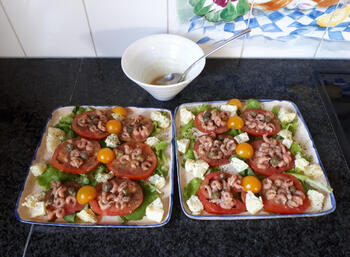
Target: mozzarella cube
162, 119
31, 200
152, 141
197, 168
301, 163
117, 116
241, 138
157, 181
155, 211
313, 170
285, 133
254, 204
38, 210
286, 115
104, 177
112, 141
87, 215
183, 144
185, 116
195, 205
232, 109
238, 164
287, 142
38, 169
316, 199
55, 137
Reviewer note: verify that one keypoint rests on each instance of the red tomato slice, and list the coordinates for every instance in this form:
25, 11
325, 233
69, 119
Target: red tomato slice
260, 132
134, 192
272, 206
213, 207
133, 160
62, 159
206, 156
92, 125
270, 170
136, 128
200, 125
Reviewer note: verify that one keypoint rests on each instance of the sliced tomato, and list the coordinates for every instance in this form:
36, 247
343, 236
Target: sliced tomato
206, 156
260, 132
272, 206
217, 130
213, 207
133, 160
62, 160
270, 170
92, 125
134, 192
137, 128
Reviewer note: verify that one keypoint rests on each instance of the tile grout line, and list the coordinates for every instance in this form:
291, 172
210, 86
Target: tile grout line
248, 23
28, 240
88, 22
13, 28
76, 81
325, 32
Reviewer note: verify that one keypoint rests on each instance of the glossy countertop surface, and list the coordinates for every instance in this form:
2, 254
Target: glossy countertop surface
31, 88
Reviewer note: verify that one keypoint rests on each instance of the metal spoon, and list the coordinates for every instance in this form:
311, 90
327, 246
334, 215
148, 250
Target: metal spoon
173, 78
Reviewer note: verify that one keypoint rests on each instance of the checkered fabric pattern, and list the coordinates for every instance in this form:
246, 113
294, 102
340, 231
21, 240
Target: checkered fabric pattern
281, 25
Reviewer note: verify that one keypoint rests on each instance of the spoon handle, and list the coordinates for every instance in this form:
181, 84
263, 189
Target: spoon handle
243, 32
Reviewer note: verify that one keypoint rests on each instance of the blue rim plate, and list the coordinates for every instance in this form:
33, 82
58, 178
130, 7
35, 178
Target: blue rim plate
171, 180
249, 216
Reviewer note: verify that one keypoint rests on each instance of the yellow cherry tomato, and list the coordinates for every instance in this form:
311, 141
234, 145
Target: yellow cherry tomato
85, 194
245, 150
235, 122
114, 126
251, 183
235, 102
120, 110
105, 155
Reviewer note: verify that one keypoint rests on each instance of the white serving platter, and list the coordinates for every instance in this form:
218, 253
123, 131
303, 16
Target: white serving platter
302, 136
41, 154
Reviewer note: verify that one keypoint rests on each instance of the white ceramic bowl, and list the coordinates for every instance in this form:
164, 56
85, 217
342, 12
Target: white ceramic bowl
158, 55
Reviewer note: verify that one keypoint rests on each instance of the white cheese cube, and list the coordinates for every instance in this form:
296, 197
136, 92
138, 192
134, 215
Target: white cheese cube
182, 145
152, 141
253, 203
241, 138
87, 215
286, 115
285, 133
117, 116
155, 210
55, 137
38, 210
316, 199
195, 205
232, 109
162, 119
185, 116
38, 169
313, 170
157, 181
112, 141
104, 177
31, 200
197, 168
238, 164
287, 142
301, 163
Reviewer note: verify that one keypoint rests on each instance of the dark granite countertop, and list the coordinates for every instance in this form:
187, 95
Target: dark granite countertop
31, 88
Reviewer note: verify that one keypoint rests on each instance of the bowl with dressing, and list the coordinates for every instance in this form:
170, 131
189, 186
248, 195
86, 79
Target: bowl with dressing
150, 58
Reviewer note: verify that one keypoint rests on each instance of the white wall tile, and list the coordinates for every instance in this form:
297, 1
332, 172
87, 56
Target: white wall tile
9, 45
116, 24
51, 27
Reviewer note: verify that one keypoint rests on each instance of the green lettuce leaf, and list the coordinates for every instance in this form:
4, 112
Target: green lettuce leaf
201, 108
156, 128
291, 126
192, 188
70, 218
53, 174
312, 182
162, 160
253, 104
295, 148
186, 130
275, 111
